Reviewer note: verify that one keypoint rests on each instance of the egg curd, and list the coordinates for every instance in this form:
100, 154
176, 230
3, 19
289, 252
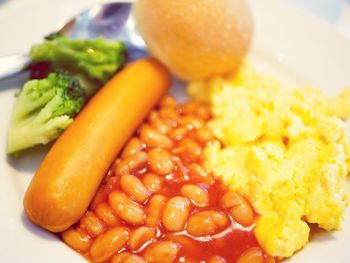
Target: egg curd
287, 150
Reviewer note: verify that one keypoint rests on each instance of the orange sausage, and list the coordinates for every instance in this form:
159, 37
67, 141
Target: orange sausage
68, 177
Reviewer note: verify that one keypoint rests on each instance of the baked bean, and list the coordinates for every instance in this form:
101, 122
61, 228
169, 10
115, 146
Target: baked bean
120, 257
109, 176
108, 244
153, 115
78, 240
135, 145
197, 195
178, 134
117, 161
175, 213
155, 139
126, 257
217, 259
92, 224
206, 223
106, 214
134, 259
239, 208
161, 126
169, 113
128, 210
155, 210
162, 252
132, 163
152, 182
187, 108
199, 173
242, 214
168, 102
231, 199
191, 122
252, 255
101, 194
187, 260
192, 149
184, 241
134, 187
140, 236
204, 135
160, 161
202, 111
180, 167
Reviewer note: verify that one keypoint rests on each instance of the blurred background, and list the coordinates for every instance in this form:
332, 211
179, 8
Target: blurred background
328, 9
31, 19
336, 12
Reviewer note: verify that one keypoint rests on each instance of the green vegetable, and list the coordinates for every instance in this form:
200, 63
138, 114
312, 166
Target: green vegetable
93, 61
46, 105
43, 109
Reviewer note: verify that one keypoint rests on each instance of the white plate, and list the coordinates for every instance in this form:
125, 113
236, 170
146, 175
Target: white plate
295, 46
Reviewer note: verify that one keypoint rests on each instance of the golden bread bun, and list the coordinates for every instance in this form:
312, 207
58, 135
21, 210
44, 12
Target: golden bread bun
195, 39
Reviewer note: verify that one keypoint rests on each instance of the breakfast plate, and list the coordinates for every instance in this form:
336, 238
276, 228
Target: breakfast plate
297, 47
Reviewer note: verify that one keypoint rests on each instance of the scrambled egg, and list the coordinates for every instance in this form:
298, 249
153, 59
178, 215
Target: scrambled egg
286, 150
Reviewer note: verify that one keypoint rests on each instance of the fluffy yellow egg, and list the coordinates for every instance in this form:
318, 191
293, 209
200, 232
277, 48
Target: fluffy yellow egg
196, 39
287, 150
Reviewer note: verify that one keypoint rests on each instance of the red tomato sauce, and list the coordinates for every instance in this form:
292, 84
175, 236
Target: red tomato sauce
228, 243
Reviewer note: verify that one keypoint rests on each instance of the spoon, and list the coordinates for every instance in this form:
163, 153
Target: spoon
109, 20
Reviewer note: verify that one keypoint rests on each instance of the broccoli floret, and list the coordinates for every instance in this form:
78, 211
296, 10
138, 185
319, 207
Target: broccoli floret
47, 104
43, 109
93, 61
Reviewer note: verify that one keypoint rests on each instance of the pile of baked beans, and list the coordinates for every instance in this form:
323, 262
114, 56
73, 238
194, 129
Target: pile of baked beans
159, 204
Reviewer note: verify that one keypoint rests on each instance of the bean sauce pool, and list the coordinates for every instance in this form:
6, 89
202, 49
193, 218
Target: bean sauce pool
159, 204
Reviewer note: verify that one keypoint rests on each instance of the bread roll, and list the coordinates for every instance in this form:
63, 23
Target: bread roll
195, 39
